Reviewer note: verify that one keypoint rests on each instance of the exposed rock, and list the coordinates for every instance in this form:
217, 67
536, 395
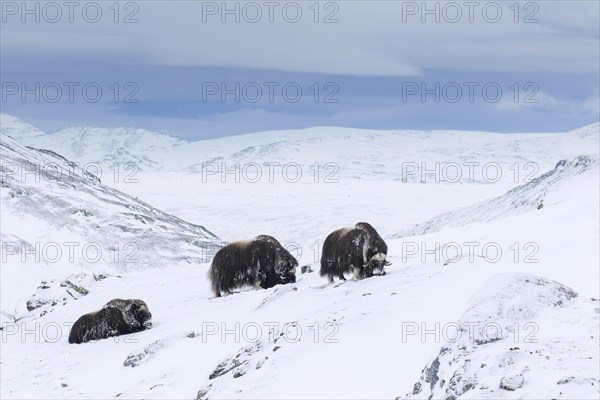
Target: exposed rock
59, 292
511, 309
565, 380
431, 373
417, 388
34, 303
79, 289
203, 393
306, 269
139, 357
261, 362
239, 363
512, 382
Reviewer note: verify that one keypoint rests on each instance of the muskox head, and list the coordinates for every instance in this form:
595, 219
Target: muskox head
376, 252
285, 266
140, 313
376, 265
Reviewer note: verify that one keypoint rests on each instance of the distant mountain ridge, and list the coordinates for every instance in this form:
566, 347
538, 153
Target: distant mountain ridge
17, 128
369, 156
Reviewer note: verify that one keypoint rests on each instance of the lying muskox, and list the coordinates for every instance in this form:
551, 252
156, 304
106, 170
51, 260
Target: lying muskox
262, 262
359, 250
117, 317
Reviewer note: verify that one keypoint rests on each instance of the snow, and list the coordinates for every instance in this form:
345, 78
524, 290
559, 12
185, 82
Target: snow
354, 339
61, 223
13, 126
340, 152
520, 333
523, 198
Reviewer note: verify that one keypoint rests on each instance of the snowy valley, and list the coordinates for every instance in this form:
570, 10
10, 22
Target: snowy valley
492, 292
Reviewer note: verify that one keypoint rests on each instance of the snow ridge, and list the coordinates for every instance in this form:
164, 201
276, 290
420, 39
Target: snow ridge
522, 199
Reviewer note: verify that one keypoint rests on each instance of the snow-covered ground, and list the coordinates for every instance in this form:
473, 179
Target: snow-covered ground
59, 221
511, 264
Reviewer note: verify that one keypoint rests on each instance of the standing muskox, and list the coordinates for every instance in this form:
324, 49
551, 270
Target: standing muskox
359, 250
117, 317
262, 262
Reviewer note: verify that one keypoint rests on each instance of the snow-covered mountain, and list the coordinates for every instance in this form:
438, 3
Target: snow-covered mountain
105, 147
15, 127
457, 156
383, 337
59, 220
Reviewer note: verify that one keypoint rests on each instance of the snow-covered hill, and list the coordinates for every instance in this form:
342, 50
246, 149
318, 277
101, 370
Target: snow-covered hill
59, 220
409, 156
521, 336
522, 199
357, 339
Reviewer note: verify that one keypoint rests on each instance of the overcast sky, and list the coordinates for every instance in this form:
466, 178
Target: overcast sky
198, 69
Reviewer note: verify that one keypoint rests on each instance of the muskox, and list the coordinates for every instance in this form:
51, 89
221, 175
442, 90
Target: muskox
117, 317
262, 262
359, 250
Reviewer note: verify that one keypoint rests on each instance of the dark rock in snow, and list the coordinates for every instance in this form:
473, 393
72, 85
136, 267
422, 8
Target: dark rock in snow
202, 393
136, 358
417, 388
306, 269
238, 364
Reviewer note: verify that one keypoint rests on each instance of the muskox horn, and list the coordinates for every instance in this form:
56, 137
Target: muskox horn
386, 263
379, 257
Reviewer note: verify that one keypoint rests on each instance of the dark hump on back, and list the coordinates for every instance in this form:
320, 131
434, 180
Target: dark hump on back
340, 240
235, 246
341, 233
262, 245
267, 239
365, 226
116, 303
369, 230
230, 256
373, 235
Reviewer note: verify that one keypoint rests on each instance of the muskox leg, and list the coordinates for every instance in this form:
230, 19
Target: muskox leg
341, 276
330, 278
214, 283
